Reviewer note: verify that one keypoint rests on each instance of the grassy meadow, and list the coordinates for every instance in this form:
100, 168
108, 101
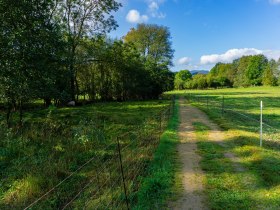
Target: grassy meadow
56, 142
258, 186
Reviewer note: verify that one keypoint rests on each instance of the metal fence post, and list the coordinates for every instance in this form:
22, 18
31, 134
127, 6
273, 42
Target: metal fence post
123, 178
223, 105
160, 121
261, 124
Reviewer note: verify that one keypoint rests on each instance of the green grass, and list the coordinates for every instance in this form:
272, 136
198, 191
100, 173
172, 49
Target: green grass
223, 186
258, 187
55, 142
162, 184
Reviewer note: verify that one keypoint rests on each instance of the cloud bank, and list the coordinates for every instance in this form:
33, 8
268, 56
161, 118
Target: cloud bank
233, 54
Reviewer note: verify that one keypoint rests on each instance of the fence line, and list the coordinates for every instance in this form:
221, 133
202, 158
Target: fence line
207, 101
126, 145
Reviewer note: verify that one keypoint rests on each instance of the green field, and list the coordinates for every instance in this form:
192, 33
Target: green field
258, 187
54, 143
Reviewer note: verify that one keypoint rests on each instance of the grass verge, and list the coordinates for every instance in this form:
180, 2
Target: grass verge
162, 184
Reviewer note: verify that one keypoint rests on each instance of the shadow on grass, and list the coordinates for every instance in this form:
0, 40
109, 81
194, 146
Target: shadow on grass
231, 189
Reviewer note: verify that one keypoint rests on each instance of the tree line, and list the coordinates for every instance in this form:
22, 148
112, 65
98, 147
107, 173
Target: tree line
57, 50
253, 70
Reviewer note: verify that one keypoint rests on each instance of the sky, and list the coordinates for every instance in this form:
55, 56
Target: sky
204, 32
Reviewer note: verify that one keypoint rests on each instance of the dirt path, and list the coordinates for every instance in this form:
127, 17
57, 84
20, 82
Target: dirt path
193, 196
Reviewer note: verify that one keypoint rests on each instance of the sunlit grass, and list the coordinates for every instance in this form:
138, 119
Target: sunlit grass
258, 187
55, 142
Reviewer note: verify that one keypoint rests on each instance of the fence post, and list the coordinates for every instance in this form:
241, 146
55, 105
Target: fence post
223, 106
122, 173
261, 124
160, 122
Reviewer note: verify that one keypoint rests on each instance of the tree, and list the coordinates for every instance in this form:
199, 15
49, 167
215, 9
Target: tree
221, 75
29, 48
84, 18
153, 42
199, 81
181, 78
255, 69
269, 77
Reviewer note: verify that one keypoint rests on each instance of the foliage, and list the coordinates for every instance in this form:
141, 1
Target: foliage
30, 51
58, 51
181, 78
253, 70
270, 74
82, 19
153, 42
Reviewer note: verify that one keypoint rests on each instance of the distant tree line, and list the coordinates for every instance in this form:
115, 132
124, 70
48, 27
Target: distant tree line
253, 70
56, 50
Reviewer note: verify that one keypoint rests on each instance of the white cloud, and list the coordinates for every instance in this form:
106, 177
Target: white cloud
228, 56
184, 61
274, 1
134, 16
233, 54
272, 54
154, 8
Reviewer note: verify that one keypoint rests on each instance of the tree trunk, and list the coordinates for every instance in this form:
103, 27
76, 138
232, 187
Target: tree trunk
48, 102
9, 115
72, 71
20, 113
72, 85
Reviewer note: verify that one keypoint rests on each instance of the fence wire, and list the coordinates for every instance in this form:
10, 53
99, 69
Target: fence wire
110, 178
247, 114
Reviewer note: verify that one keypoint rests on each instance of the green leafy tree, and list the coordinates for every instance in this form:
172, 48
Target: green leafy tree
81, 19
255, 69
153, 42
270, 74
29, 49
249, 70
181, 78
199, 81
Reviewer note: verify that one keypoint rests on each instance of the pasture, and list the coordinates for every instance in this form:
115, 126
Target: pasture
237, 112
80, 156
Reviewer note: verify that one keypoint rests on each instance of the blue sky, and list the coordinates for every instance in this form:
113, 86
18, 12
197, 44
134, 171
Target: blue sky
205, 32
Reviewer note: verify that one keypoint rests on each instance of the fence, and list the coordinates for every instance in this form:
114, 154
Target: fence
247, 113
112, 175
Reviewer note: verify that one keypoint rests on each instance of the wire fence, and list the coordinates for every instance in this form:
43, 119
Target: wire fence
246, 114
111, 176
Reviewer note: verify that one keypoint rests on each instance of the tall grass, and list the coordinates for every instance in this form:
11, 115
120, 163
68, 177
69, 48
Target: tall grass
54, 143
